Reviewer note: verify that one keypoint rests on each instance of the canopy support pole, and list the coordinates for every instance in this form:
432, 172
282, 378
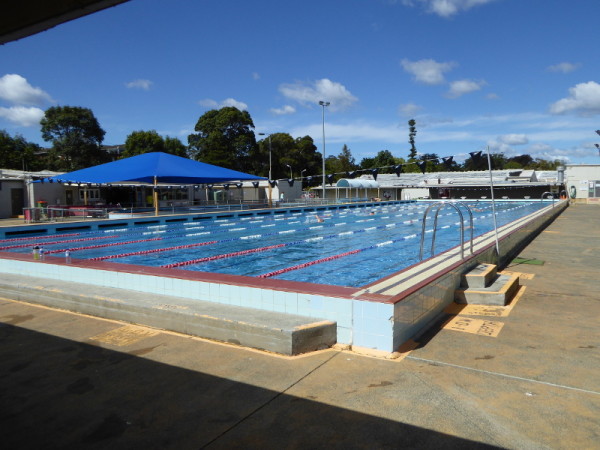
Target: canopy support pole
155, 197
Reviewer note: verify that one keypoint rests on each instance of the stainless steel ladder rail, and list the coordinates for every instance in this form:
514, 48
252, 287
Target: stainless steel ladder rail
440, 206
548, 192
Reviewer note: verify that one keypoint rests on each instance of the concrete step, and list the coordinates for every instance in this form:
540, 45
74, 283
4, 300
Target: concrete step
287, 334
481, 276
499, 293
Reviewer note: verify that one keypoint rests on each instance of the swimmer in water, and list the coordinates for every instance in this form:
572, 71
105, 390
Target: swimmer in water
319, 219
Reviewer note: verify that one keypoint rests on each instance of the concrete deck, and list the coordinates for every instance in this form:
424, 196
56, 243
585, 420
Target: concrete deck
74, 381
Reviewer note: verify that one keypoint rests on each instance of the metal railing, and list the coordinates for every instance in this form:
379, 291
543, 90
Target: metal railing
55, 214
440, 206
551, 194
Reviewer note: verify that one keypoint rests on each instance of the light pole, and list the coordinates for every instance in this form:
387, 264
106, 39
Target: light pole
290, 167
270, 163
324, 104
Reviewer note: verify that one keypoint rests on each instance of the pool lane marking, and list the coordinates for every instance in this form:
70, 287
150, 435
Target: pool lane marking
154, 250
244, 252
329, 258
222, 256
57, 242
111, 244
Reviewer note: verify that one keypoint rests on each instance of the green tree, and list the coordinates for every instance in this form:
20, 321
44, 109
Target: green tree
384, 160
412, 132
523, 160
76, 137
18, 154
225, 138
175, 147
367, 163
299, 154
342, 163
140, 142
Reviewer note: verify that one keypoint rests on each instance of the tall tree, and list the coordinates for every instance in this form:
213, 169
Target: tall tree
16, 153
412, 132
76, 137
299, 154
224, 137
174, 146
342, 163
140, 142
383, 160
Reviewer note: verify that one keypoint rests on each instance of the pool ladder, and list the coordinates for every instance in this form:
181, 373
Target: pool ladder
440, 206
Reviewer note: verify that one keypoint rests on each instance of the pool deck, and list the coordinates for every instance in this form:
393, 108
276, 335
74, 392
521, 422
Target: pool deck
74, 381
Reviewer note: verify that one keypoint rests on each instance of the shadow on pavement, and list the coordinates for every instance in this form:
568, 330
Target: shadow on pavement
58, 393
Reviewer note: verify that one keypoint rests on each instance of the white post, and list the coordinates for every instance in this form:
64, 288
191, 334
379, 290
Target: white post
493, 201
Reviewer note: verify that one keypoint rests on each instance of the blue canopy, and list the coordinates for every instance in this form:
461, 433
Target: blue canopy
155, 167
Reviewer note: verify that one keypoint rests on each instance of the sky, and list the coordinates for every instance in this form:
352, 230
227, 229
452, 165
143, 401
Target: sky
515, 76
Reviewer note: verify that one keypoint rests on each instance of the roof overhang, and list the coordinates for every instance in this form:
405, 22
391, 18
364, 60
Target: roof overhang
23, 18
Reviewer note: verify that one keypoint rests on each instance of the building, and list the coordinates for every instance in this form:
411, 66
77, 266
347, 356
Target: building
583, 182
513, 184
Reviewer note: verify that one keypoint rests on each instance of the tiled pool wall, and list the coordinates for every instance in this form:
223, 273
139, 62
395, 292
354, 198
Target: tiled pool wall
415, 311
362, 320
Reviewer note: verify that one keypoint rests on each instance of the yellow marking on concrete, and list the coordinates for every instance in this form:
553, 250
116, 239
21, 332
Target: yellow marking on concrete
123, 336
108, 299
552, 232
478, 310
474, 326
522, 275
169, 307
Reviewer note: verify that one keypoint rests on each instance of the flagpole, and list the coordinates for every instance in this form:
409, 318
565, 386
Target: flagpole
493, 202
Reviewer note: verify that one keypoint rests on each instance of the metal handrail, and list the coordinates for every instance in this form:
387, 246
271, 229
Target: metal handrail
548, 192
440, 206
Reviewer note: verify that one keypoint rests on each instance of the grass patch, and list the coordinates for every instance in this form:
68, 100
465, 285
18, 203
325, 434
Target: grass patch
532, 261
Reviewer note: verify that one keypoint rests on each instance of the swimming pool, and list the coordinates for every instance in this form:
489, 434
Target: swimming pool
380, 315
338, 246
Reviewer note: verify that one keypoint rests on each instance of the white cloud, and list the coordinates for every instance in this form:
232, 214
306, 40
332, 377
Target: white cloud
514, 139
255, 76
462, 87
286, 109
25, 116
208, 103
233, 102
427, 71
564, 67
492, 96
409, 109
584, 99
447, 8
213, 104
324, 89
140, 84
17, 90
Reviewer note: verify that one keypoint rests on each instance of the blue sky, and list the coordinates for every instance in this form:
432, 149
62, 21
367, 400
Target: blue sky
519, 76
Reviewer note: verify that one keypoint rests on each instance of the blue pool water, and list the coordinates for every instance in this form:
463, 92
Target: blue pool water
346, 247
